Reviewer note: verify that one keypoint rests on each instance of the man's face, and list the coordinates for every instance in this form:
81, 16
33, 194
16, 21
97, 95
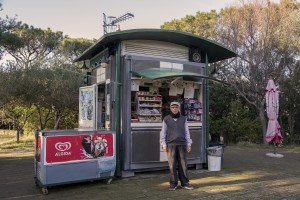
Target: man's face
174, 109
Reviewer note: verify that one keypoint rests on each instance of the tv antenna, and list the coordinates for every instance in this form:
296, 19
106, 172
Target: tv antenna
111, 23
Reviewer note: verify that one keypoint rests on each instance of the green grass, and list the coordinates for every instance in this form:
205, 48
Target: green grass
8, 141
6, 135
24, 143
293, 147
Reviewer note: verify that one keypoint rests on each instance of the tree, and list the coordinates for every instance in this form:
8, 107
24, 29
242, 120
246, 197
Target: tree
67, 78
6, 25
203, 24
262, 36
30, 46
41, 81
15, 97
290, 102
18, 114
58, 96
265, 36
71, 48
289, 85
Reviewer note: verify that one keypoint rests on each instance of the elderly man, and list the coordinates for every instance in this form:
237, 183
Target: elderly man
176, 141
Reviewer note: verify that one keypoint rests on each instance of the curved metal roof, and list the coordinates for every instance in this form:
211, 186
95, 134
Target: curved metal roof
215, 51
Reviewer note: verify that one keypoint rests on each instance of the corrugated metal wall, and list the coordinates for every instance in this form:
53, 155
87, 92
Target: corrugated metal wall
155, 49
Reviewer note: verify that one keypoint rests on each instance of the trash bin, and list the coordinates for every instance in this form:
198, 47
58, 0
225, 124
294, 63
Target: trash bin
214, 157
214, 144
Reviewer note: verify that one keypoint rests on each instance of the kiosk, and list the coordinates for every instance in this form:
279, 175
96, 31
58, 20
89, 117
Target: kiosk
135, 74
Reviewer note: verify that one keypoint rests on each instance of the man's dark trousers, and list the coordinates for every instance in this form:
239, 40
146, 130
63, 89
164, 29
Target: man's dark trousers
177, 155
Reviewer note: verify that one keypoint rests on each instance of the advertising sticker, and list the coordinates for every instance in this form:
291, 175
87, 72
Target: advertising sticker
78, 147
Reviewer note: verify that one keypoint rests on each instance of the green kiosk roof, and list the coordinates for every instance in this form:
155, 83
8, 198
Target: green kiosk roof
214, 50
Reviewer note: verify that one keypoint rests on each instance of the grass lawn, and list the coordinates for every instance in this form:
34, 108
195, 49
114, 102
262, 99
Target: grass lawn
291, 147
6, 135
8, 143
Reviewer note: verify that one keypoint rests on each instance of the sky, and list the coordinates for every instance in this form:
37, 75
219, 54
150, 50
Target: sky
84, 18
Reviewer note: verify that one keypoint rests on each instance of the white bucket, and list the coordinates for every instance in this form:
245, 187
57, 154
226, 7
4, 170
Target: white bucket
214, 163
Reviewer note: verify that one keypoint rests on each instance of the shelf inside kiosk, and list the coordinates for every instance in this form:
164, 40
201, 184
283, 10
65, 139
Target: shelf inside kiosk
150, 100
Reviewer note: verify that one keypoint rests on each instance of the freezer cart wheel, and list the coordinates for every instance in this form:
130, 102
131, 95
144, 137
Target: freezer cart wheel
37, 183
108, 181
44, 191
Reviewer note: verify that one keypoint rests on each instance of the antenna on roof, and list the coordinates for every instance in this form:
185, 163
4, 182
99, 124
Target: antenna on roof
111, 23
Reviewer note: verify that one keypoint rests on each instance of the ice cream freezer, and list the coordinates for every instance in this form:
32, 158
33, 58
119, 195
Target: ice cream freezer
69, 156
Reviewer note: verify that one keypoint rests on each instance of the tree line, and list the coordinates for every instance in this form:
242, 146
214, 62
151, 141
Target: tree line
39, 83
266, 37
39, 86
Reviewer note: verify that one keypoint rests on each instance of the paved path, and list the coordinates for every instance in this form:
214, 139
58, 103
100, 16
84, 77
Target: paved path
246, 174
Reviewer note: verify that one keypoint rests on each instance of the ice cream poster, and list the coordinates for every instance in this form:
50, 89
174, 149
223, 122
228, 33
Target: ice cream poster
78, 147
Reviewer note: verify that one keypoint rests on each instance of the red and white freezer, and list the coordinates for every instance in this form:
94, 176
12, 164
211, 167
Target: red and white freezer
69, 156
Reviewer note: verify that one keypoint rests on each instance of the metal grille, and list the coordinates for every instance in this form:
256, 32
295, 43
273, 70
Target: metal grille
156, 50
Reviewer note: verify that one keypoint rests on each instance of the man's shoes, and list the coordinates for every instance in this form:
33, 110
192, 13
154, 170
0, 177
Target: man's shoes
188, 187
173, 187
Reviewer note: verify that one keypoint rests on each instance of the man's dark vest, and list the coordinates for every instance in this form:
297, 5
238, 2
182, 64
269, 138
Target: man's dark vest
175, 130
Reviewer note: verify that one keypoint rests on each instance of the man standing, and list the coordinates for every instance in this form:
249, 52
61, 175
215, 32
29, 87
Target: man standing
176, 141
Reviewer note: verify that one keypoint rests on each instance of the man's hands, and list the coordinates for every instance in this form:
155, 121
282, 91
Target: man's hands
188, 148
164, 148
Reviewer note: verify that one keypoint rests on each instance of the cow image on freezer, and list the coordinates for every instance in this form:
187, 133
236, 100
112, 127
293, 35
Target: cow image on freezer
94, 148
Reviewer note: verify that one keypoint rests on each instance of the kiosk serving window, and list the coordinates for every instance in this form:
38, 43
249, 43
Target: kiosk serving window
155, 83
